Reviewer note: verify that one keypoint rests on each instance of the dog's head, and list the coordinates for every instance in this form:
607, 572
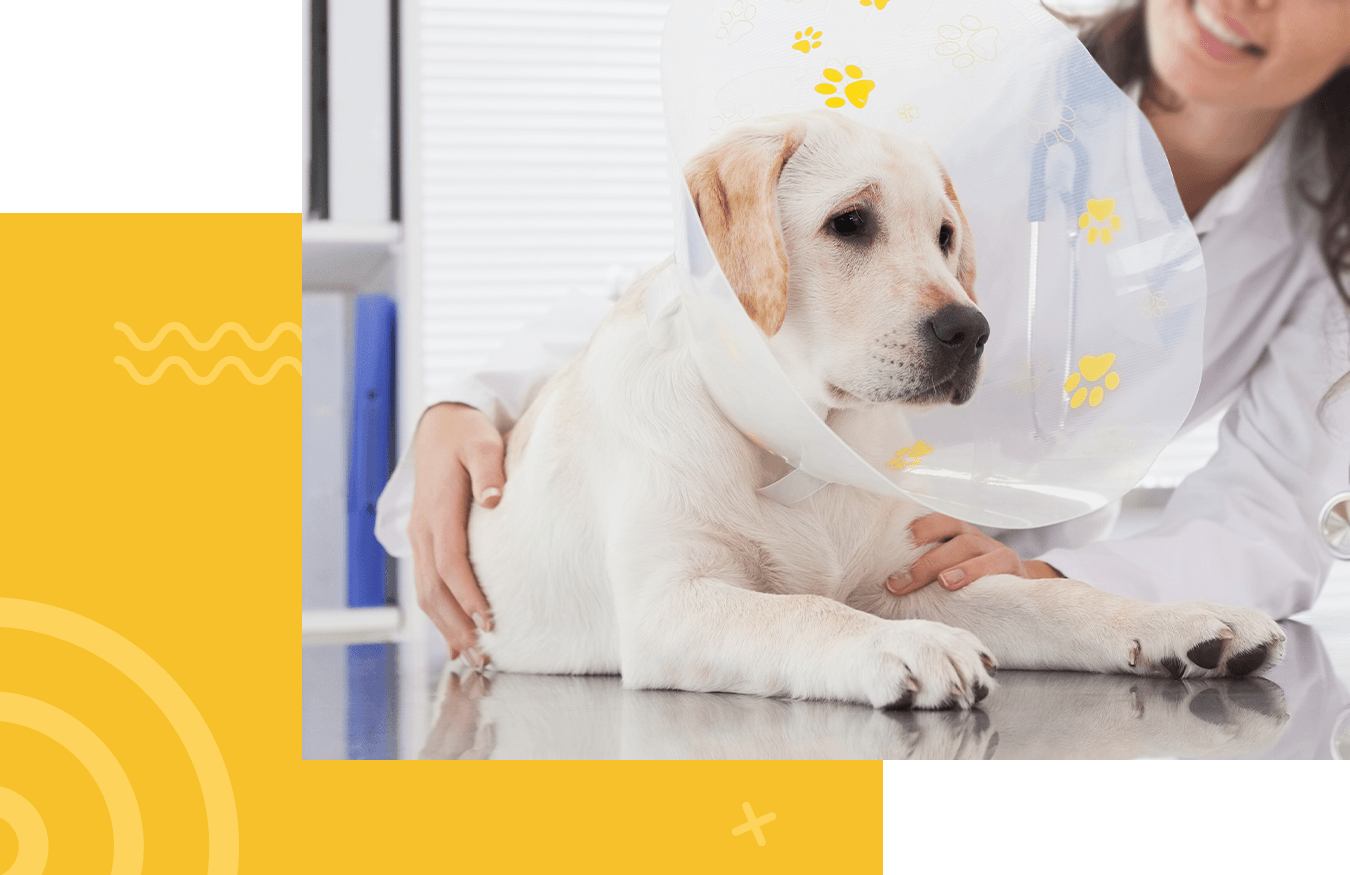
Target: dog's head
848, 247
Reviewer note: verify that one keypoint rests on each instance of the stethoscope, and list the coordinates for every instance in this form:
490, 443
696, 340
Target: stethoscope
1335, 524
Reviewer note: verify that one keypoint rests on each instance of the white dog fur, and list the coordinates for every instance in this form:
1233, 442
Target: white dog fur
630, 537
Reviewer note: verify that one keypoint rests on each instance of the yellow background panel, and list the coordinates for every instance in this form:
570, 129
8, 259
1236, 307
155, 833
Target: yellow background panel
170, 514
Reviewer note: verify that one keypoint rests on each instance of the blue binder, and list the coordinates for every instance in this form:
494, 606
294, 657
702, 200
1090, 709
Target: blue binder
372, 702
371, 445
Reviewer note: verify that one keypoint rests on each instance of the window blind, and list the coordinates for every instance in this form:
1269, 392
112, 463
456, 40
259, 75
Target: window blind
543, 163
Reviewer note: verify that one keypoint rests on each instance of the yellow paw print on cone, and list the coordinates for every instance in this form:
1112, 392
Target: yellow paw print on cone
1092, 368
806, 40
1102, 212
880, 4
908, 457
856, 91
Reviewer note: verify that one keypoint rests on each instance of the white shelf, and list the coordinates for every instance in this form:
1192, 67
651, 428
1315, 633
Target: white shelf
348, 256
350, 625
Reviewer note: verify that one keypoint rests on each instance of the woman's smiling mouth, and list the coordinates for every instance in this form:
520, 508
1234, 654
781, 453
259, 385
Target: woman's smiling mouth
1220, 36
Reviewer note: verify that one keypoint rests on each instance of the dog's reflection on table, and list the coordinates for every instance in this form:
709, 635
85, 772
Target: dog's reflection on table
1038, 715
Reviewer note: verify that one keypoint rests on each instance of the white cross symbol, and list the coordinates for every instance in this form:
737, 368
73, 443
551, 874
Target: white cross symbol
752, 823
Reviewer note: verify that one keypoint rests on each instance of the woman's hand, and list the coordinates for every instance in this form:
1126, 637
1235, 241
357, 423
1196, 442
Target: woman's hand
459, 459
963, 553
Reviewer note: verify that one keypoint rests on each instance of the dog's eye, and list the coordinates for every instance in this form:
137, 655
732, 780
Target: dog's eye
849, 224
945, 238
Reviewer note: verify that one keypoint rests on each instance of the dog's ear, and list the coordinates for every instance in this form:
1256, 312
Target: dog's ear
965, 259
734, 184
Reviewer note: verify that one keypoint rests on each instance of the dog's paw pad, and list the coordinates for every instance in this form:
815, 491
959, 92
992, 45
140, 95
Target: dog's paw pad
1174, 666
1248, 661
1207, 654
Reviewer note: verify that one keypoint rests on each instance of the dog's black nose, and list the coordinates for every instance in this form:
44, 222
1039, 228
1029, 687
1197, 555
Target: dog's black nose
959, 327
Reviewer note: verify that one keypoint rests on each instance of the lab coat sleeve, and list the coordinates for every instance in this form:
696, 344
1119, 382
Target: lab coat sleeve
1245, 529
502, 390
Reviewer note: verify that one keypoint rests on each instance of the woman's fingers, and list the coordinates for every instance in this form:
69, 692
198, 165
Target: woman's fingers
450, 555
482, 458
962, 554
934, 527
1000, 560
479, 479
901, 583
435, 601
949, 556
459, 460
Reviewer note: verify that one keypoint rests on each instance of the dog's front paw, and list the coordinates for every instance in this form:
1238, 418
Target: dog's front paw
920, 664
1203, 639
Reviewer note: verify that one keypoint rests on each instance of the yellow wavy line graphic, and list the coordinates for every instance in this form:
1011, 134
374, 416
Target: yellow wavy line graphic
215, 372
215, 338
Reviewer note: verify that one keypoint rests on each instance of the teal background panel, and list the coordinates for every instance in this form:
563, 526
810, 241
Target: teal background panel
150, 105
1127, 817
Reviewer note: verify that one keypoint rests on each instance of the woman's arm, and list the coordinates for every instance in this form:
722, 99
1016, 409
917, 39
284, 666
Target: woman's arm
1243, 530
455, 456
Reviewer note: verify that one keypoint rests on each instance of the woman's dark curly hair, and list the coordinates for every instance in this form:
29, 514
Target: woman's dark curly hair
1118, 42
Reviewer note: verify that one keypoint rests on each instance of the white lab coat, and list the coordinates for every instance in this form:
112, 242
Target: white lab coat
1244, 529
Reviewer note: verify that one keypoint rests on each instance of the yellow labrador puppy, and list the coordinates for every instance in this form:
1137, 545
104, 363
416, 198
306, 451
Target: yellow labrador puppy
631, 537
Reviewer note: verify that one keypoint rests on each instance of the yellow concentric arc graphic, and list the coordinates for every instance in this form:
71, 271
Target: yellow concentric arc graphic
128, 852
215, 372
20, 814
222, 817
215, 338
